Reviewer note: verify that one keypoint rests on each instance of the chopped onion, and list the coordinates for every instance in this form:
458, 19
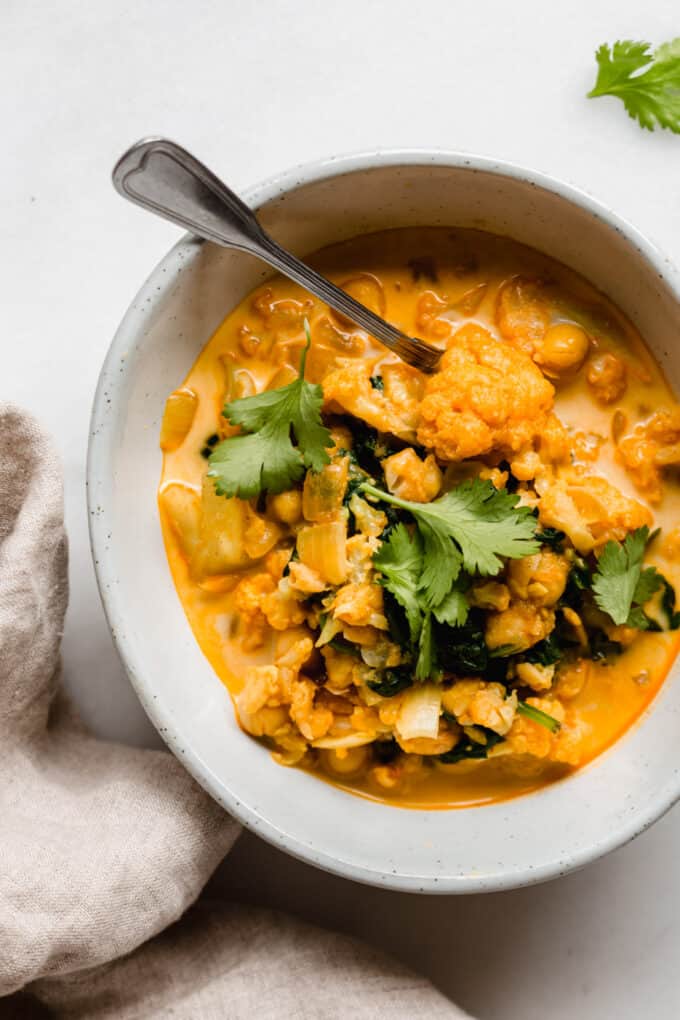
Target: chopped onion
419, 712
322, 547
350, 740
178, 417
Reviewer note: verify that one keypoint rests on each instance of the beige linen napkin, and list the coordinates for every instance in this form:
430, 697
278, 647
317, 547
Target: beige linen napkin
104, 846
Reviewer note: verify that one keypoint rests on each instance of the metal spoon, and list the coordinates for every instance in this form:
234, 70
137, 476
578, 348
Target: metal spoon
163, 177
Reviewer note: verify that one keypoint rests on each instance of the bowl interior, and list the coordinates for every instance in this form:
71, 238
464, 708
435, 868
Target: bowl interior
499, 846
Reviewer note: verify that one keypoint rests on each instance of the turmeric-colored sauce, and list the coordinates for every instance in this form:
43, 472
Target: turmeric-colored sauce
429, 282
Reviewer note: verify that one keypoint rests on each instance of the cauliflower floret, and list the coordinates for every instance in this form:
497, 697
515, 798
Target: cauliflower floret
249, 596
262, 685
250, 592
486, 396
529, 737
403, 389
359, 550
649, 449
312, 721
349, 388
282, 609
591, 511
606, 377
519, 627
540, 578
304, 579
533, 675
568, 746
552, 447
478, 703
368, 519
409, 477
360, 605
260, 703
295, 657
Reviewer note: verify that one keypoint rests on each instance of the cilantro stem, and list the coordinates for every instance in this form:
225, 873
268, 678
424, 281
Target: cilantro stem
538, 716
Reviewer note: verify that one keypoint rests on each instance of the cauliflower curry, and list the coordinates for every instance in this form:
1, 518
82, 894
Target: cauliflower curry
434, 590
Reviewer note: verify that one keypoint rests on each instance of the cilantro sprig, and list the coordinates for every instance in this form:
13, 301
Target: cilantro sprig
464, 532
471, 528
648, 83
620, 584
400, 560
537, 715
263, 457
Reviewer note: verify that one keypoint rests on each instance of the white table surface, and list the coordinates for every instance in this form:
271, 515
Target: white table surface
253, 87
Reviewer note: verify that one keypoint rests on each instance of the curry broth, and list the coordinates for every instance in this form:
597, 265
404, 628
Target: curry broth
460, 272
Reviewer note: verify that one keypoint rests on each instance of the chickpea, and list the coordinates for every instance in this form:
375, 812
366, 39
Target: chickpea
344, 761
342, 437
563, 349
286, 506
264, 722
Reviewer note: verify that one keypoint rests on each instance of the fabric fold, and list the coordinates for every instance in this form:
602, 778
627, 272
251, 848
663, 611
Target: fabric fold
103, 847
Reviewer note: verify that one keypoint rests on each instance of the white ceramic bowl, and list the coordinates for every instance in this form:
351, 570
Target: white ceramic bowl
525, 840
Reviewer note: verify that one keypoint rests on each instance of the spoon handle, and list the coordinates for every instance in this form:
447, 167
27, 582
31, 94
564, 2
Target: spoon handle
163, 177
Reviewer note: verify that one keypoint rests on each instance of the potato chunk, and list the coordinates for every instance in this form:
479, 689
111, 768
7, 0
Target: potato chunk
223, 530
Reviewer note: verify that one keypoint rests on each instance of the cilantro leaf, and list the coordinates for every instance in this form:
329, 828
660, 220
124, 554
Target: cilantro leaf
470, 527
620, 584
263, 457
647, 83
668, 605
400, 561
453, 609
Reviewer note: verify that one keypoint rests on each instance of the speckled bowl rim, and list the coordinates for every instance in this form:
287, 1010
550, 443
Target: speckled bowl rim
100, 526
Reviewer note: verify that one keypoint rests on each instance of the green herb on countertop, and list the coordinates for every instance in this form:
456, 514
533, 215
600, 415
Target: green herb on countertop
647, 82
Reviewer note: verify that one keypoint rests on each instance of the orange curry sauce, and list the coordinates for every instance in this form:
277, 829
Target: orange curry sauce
429, 282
